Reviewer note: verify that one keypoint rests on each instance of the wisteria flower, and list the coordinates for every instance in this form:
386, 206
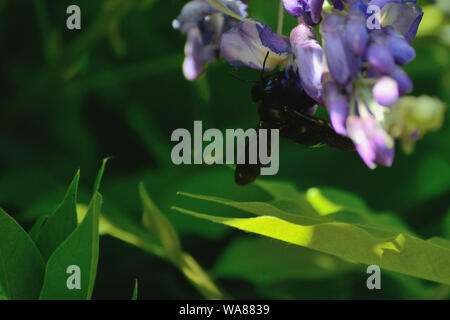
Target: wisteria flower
356, 72
204, 25
309, 10
365, 76
247, 44
372, 142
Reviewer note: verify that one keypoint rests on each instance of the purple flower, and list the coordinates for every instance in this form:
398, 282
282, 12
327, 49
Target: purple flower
402, 15
309, 59
372, 142
400, 49
337, 104
204, 26
380, 58
356, 34
296, 7
385, 91
339, 58
310, 10
365, 77
338, 4
247, 44
405, 84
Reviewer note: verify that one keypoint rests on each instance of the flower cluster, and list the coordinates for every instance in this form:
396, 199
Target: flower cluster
355, 72
365, 76
204, 25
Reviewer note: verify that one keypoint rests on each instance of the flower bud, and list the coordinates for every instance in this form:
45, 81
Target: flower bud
309, 57
385, 91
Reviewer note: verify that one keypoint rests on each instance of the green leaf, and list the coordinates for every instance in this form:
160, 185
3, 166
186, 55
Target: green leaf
158, 223
316, 205
37, 227
446, 225
346, 207
2, 294
79, 249
300, 211
215, 181
162, 241
135, 291
125, 229
99, 177
264, 261
353, 235
61, 223
21, 264
221, 7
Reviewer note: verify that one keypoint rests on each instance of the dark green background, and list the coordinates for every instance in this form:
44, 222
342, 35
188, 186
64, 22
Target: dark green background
115, 88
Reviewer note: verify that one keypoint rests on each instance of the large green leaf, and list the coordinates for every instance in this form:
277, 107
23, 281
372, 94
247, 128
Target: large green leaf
314, 206
79, 249
21, 264
346, 231
329, 204
61, 223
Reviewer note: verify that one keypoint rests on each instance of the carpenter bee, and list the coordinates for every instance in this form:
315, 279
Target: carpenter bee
284, 107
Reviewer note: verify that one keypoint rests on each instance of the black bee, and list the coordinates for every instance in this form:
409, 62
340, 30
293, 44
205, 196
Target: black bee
282, 107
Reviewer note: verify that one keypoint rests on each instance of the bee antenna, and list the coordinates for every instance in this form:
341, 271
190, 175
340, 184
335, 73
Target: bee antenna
264, 64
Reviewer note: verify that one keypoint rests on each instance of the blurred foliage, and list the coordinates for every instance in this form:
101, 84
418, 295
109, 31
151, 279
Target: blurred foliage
115, 88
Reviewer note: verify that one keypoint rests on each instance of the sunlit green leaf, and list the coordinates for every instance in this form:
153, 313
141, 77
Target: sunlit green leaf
337, 204
368, 243
21, 264
79, 249
312, 209
346, 207
61, 223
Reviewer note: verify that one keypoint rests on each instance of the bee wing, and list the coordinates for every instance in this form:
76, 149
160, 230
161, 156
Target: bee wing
311, 131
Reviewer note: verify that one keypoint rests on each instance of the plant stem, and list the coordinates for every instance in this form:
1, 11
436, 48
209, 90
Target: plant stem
280, 18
